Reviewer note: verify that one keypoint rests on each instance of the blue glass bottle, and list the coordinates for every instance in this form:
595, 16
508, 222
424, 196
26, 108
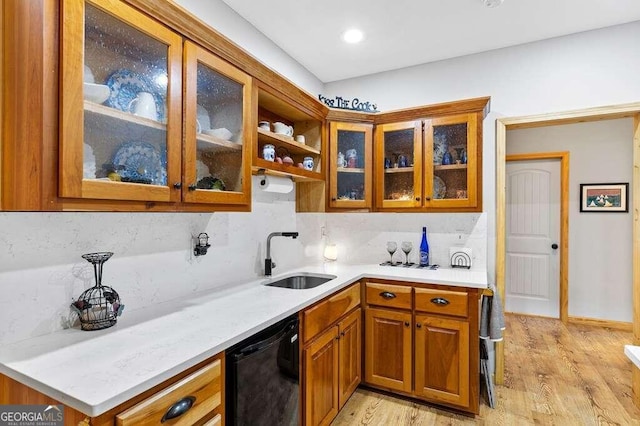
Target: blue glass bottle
446, 159
424, 248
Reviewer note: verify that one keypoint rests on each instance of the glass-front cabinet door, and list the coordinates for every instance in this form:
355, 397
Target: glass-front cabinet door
351, 165
399, 165
121, 104
451, 161
218, 133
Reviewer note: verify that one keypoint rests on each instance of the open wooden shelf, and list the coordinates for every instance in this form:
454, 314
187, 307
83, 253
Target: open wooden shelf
265, 136
399, 170
91, 108
349, 170
277, 169
450, 167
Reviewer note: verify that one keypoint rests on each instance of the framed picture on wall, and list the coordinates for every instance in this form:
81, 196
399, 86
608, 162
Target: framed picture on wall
604, 197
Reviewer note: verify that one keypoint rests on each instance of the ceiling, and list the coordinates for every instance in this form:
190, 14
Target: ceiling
401, 33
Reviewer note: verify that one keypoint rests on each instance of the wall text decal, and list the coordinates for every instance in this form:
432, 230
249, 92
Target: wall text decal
354, 104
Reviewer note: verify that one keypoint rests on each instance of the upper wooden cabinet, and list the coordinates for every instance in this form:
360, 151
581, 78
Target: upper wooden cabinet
398, 165
121, 104
350, 165
292, 134
429, 164
218, 130
122, 112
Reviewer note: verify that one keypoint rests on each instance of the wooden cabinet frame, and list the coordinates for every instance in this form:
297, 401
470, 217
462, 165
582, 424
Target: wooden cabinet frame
71, 182
334, 200
193, 55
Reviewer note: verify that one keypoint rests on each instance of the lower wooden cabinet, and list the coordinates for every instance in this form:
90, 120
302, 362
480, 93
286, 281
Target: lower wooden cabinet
419, 343
388, 349
321, 378
193, 397
349, 355
332, 369
442, 360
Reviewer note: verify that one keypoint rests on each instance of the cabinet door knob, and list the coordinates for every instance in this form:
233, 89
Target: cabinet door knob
338, 337
417, 198
406, 324
179, 408
333, 199
440, 301
177, 185
554, 246
192, 187
342, 334
419, 325
427, 198
388, 295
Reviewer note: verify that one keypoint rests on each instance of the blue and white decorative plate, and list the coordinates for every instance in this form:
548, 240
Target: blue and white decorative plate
439, 188
140, 162
440, 146
125, 86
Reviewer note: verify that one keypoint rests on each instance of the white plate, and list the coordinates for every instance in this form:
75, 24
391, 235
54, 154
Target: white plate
97, 93
203, 118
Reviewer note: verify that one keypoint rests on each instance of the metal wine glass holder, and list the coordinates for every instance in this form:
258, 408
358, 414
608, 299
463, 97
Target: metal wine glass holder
99, 306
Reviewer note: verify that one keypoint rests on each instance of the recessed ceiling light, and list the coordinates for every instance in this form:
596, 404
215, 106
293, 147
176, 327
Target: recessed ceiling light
353, 36
492, 3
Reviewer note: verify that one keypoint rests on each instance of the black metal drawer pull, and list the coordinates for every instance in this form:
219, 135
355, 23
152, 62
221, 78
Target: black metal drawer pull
440, 301
388, 295
179, 408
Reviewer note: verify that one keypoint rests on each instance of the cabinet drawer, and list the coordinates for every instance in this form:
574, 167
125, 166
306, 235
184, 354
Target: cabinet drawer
445, 302
388, 295
203, 387
321, 316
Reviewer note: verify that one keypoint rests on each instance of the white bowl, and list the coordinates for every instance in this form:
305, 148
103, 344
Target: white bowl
97, 93
221, 133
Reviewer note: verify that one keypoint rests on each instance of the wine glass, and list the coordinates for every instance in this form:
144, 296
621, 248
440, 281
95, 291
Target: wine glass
392, 246
406, 247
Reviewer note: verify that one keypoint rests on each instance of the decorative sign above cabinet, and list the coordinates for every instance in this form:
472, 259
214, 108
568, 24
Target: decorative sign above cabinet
354, 104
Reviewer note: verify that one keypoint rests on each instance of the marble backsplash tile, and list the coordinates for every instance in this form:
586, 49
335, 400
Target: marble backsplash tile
41, 270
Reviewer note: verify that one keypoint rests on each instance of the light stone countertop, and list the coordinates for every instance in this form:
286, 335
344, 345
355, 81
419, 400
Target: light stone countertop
96, 371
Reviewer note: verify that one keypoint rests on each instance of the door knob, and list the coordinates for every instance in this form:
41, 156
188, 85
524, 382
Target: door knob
554, 246
192, 187
177, 185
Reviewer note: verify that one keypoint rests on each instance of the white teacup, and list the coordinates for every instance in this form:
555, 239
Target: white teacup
300, 139
282, 129
144, 105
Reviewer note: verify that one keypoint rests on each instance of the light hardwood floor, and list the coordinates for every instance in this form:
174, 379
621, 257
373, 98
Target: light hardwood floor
555, 375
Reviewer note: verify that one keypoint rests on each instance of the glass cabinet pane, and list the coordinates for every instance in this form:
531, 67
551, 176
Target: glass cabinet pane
398, 161
351, 165
219, 131
125, 82
450, 158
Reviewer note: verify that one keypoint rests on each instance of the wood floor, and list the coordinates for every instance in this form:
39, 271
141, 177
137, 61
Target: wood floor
555, 375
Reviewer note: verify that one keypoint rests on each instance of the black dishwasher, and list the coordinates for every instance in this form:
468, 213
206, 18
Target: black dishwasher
262, 377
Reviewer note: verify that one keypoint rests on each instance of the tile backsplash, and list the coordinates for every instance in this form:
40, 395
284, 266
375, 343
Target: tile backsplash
41, 270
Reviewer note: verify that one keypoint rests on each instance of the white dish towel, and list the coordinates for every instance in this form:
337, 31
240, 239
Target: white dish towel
492, 316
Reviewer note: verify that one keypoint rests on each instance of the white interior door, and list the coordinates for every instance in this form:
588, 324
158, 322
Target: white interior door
533, 235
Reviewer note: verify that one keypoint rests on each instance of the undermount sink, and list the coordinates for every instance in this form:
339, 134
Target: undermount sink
301, 281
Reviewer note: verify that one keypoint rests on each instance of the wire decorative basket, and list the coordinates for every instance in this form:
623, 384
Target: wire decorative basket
99, 306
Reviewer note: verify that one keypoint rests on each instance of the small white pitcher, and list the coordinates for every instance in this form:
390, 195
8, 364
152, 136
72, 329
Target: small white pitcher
144, 105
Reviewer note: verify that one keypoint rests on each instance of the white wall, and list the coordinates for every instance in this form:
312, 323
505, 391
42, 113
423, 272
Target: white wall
600, 244
578, 71
225, 20
41, 270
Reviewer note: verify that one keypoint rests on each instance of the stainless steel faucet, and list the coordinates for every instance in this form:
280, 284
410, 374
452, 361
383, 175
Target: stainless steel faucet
268, 264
